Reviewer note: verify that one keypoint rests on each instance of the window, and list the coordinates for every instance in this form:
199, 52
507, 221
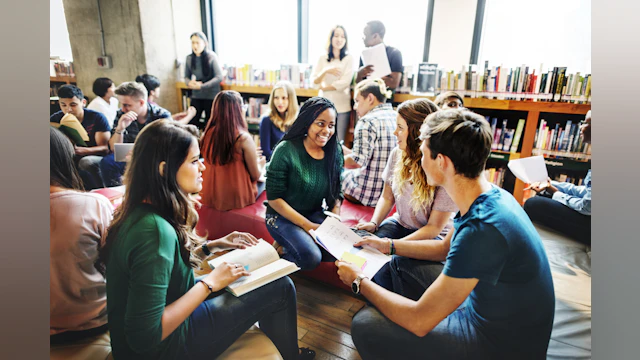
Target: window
59, 44
257, 32
404, 20
548, 32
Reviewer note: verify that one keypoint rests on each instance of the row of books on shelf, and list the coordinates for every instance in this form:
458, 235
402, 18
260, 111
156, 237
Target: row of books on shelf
59, 67
53, 89
499, 82
250, 75
495, 175
505, 139
559, 140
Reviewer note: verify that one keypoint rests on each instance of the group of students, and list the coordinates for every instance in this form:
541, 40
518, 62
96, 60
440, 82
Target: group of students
483, 290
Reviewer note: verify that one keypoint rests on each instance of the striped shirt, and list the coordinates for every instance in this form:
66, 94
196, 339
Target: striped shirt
372, 143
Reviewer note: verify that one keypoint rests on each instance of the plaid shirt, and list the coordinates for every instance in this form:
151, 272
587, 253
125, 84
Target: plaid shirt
372, 143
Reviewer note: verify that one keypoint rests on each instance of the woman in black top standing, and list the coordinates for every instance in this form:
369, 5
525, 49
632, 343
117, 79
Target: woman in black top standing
203, 75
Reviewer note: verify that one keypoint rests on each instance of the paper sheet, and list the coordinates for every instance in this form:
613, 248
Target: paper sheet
377, 56
529, 170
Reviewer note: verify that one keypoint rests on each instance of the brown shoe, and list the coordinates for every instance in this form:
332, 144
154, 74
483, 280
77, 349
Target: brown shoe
279, 248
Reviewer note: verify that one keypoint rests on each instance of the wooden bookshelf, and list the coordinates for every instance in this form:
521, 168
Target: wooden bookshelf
64, 79
532, 108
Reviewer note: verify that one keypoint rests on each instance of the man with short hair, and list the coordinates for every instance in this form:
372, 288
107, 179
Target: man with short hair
152, 84
373, 34
105, 101
135, 113
492, 299
88, 158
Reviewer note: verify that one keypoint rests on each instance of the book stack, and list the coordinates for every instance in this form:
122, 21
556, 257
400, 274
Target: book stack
250, 75
505, 139
560, 141
495, 175
519, 83
58, 67
257, 107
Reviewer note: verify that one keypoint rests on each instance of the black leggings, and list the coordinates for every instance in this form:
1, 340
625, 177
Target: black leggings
559, 217
201, 105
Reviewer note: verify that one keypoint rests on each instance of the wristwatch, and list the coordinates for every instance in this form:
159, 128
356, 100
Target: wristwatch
355, 285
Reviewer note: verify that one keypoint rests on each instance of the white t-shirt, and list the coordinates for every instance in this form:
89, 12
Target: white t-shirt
109, 109
341, 97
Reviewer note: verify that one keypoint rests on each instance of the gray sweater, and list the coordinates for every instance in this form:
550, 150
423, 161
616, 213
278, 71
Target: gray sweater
210, 84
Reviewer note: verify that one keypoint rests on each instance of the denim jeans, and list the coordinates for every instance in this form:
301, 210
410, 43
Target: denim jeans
112, 170
221, 319
392, 229
91, 165
298, 245
559, 217
377, 337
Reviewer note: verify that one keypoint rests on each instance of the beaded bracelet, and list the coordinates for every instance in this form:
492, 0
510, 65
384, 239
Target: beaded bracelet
393, 248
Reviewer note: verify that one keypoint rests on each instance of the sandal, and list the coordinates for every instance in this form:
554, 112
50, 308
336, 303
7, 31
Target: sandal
306, 354
279, 248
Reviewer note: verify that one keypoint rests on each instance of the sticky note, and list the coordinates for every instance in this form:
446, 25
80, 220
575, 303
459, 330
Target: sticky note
354, 259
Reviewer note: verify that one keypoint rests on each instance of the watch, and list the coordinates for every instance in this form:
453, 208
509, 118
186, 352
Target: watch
355, 285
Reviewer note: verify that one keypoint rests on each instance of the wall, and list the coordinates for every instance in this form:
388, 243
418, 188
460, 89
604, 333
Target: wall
452, 33
141, 36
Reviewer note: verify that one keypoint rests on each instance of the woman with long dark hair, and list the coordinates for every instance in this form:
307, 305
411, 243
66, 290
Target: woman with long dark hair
304, 171
203, 75
232, 164
78, 224
333, 75
156, 308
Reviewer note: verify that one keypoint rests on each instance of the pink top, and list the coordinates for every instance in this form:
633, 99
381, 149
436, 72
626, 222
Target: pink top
77, 228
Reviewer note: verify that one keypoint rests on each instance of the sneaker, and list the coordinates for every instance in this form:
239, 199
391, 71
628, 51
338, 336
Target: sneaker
306, 354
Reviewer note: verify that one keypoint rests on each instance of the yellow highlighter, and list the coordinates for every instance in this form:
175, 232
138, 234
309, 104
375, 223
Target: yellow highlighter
354, 259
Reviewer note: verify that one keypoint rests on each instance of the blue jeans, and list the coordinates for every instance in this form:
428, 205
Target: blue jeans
298, 245
112, 170
377, 337
392, 229
221, 319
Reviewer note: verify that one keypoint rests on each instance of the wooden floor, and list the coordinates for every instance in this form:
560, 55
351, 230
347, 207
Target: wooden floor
324, 319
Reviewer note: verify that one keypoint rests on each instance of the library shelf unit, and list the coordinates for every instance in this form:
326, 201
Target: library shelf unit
531, 111
54, 83
63, 79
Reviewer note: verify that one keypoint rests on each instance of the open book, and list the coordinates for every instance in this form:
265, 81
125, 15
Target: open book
530, 169
338, 240
261, 260
74, 130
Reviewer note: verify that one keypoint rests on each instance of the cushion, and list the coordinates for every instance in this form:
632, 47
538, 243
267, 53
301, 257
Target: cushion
98, 347
570, 263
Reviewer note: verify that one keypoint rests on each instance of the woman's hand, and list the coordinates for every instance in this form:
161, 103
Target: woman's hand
262, 161
334, 70
224, 274
236, 240
382, 245
347, 271
368, 226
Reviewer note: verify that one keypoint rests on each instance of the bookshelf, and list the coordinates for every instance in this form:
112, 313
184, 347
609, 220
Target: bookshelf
63, 79
529, 110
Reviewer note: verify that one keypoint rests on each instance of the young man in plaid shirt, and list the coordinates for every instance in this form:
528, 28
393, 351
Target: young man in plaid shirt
372, 143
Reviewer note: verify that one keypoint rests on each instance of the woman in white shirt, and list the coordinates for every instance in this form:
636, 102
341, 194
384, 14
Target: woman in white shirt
333, 75
105, 101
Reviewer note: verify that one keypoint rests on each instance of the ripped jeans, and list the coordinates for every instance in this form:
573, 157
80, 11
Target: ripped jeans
298, 245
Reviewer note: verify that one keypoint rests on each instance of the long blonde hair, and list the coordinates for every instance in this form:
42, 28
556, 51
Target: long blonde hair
408, 167
292, 111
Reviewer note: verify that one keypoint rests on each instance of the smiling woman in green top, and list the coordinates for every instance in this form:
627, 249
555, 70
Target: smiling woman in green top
304, 170
156, 309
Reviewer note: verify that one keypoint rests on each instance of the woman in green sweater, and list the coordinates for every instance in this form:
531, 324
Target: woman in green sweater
304, 170
156, 309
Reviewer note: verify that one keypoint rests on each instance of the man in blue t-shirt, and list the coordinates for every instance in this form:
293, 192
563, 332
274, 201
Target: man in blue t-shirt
372, 35
72, 101
493, 298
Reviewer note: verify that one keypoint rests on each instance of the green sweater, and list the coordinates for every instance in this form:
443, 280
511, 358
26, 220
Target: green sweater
145, 273
297, 178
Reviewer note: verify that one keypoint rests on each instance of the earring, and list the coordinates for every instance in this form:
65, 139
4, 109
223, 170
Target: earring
305, 135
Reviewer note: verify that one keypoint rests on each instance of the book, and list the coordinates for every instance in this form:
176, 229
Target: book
529, 170
261, 260
337, 238
73, 129
516, 137
426, 80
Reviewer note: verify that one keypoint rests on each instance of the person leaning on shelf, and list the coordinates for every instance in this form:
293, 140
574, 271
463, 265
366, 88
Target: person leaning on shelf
230, 157
152, 84
283, 110
97, 126
105, 101
563, 206
422, 211
449, 100
157, 310
493, 298
203, 75
373, 34
373, 141
333, 74
78, 227
304, 172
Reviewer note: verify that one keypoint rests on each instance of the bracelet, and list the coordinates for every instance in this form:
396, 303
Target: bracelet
390, 246
207, 285
375, 224
392, 251
205, 249
121, 132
